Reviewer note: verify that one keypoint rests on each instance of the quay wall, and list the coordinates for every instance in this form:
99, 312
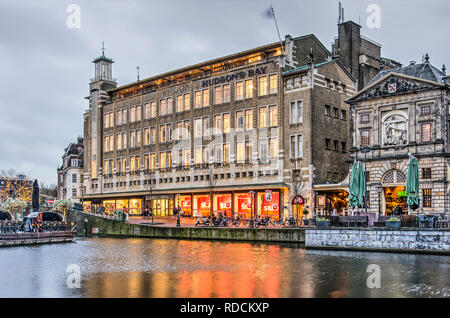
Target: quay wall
108, 227
380, 239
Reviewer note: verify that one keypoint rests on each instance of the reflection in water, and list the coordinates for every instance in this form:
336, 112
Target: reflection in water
176, 268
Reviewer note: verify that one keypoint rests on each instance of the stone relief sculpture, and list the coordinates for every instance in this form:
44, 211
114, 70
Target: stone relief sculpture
394, 129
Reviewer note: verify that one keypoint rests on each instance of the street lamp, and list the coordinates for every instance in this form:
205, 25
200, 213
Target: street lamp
379, 190
178, 212
251, 217
365, 150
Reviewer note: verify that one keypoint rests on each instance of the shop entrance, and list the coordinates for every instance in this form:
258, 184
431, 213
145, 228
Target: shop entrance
162, 207
395, 200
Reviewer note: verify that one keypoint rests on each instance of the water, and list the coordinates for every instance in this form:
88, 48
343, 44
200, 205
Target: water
176, 268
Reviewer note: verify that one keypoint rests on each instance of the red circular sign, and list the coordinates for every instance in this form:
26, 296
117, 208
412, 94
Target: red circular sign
298, 200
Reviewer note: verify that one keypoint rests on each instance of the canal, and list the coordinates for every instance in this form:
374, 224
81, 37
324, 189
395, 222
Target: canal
134, 267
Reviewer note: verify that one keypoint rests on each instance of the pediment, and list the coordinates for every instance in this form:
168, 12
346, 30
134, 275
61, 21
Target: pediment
391, 85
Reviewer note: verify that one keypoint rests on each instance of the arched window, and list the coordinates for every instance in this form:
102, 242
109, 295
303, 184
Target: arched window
394, 177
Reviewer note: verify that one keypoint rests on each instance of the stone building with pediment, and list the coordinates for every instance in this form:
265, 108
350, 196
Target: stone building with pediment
400, 112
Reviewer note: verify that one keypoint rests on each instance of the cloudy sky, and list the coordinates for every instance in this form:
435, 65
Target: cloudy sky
45, 66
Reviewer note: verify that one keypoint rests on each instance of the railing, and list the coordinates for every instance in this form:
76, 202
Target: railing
12, 227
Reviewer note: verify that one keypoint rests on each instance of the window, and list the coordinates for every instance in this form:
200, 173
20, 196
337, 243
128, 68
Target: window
187, 101
226, 153
226, 123
201, 127
74, 178
273, 148
133, 139
179, 103
198, 156
152, 162
288, 83
263, 150
426, 173
198, 99
218, 153
262, 117
132, 114
169, 109
119, 117
205, 94
327, 110
365, 138
147, 111
138, 113
425, 110
427, 198
222, 94
74, 192
343, 114
226, 93
162, 160
239, 90
248, 119
187, 131
240, 152
343, 146
296, 146
146, 136
108, 120
364, 118
153, 135
153, 109
327, 143
217, 124
336, 144
249, 88
124, 140
273, 85
240, 120
296, 112
425, 132
262, 85
273, 116
335, 112
165, 132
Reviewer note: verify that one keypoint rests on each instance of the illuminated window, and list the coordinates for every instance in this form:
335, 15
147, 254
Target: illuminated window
205, 93
197, 127
226, 153
263, 150
240, 152
218, 95
147, 111
262, 86
198, 155
153, 109
119, 117
198, 99
132, 114
365, 138
124, 140
169, 106
138, 113
226, 123
187, 101
111, 143
240, 120
179, 103
249, 88
153, 135
162, 160
226, 93
218, 124
248, 119
162, 107
239, 90
427, 198
132, 139
273, 116
119, 141
262, 117
132, 164
425, 132
152, 162
138, 138
273, 84
187, 131
146, 136
186, 157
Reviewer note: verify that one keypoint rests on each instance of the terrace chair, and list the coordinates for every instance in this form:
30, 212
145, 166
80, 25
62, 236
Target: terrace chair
421, 220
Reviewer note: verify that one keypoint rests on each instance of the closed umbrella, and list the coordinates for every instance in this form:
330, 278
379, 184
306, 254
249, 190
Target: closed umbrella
354, 186
35, 196
362, 185
412, 184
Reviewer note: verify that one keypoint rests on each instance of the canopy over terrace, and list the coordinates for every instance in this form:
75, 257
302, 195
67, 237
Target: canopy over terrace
332, 196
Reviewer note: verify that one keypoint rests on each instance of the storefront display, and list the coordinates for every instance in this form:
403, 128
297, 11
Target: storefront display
243, 204
202, 206
185, 203
162, 207
269, 203
135, 207
109, 205
222, 203
395, 198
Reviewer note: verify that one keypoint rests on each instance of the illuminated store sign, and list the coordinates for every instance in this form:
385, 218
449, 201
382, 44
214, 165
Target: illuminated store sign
235, 76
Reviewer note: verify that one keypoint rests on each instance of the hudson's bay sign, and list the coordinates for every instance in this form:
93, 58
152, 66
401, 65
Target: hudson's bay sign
235, 76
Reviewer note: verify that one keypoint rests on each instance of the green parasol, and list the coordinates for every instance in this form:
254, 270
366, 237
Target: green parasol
362, 185
412, 183
354, 186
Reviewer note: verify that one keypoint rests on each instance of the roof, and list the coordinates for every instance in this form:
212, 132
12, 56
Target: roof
270, 46
305, 67
424, 71
103, 58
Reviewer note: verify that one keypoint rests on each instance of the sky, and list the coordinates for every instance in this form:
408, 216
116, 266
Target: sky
46, 56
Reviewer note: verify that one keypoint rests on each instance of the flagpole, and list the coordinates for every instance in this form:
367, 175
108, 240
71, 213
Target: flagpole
278, 30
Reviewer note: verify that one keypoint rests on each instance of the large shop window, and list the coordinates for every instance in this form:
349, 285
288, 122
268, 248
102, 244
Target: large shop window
243, 204
185, 203
202, 205
269, 203
222, 203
